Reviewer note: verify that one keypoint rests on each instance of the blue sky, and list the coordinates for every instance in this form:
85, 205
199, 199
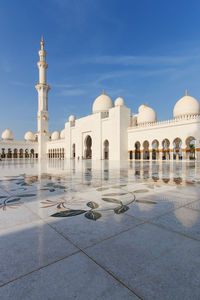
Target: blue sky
144, 51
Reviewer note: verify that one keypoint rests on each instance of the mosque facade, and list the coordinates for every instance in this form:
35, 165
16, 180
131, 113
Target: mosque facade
110, 132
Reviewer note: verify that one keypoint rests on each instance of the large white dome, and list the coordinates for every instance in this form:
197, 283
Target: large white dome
146, 115
55, 135
7, 135
62, 134
29, 136
187, 105
119, 101
102, 104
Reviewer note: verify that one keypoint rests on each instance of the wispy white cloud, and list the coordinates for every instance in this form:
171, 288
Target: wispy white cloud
129, 60
138, 73
102, 80
72, 92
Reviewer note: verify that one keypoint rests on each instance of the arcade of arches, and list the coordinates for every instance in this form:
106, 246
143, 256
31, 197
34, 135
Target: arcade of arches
176, 150
56, 153
18, 153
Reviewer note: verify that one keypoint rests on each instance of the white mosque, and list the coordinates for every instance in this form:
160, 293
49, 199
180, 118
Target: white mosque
110, 132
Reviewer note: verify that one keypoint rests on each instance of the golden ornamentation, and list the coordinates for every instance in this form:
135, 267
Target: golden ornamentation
38, 132
103, 92
42, 42
186, 93
44, 131
44, 117
38, 117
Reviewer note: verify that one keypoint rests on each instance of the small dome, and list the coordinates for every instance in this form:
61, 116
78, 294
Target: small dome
55, 135
72, 118
102, 104
146, 115
7, 135
62, 134
29, 136
119, 101
187, 105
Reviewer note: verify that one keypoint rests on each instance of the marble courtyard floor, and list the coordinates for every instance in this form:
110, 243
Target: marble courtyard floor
99, 230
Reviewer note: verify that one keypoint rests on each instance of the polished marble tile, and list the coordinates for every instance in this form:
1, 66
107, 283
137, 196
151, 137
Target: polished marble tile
29, 247
147, 207
155, 263
84, 233
11, 217
183, 220
194, 205
76, 277
174, 275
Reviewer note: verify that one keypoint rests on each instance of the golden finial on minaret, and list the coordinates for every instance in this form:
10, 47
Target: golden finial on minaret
103, 92
186, 93
146, 104
42, 42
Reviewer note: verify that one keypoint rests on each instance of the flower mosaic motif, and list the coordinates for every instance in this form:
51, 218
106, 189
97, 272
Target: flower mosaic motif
9, 202
71, 201
94, 212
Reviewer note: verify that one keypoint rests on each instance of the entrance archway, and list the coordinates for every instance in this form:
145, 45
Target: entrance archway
88, 147
106, 149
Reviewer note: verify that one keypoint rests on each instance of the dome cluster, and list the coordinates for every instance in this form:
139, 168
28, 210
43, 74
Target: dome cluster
56, 135
185, 107
103, 103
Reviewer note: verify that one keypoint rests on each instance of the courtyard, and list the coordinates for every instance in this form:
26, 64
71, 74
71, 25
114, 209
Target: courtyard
88, 229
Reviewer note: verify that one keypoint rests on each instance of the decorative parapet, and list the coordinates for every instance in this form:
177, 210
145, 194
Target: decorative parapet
171, 122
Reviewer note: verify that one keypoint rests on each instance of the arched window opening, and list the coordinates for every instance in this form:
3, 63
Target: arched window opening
88, 147
137, 150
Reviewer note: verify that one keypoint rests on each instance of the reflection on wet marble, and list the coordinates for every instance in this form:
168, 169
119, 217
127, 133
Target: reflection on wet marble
121, 223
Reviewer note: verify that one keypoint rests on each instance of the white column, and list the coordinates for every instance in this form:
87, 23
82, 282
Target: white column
172, 154
160, 153
197, 150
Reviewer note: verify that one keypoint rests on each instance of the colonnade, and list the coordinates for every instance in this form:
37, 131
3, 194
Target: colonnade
18, 153
56, 153
177, 149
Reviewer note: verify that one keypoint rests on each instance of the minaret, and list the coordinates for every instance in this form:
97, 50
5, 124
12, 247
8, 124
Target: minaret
42, 89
